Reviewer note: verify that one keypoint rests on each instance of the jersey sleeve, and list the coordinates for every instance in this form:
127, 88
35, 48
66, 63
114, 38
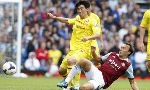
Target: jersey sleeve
129, 72
105, 57
144, 21
71, 21
95, 27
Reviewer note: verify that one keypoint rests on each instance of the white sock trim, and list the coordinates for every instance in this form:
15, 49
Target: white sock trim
74, 71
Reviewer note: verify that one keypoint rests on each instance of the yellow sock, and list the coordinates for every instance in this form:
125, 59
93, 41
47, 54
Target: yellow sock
76, 80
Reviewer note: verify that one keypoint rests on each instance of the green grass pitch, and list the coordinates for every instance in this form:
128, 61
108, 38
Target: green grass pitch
43, 83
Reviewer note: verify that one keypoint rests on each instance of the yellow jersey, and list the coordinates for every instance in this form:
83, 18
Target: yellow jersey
93, 15
146, 22
82, 28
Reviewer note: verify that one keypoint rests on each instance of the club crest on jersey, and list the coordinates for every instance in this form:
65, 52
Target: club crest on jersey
113, 56
123, 64
86, 21
96, 25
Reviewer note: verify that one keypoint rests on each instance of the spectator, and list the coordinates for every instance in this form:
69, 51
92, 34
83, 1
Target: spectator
52, 68
32, 63
27, 36
123, 31
42, 55
30, 47
55, 54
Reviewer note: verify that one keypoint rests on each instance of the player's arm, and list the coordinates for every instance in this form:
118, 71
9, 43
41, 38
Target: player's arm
98, 58
61, 19
93, 37
130, 75
96, 30
142, 29
133, 84
142, 33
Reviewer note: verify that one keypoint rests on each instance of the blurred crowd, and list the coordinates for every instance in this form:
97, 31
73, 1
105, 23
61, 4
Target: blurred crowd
45, 42
8, 33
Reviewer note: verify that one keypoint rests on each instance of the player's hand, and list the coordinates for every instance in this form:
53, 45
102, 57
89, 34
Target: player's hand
50, 15
142, 47
85, 39
93, 49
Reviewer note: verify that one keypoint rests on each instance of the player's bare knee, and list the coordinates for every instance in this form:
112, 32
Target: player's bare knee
148, 63
71, 61
62, 71
148, 57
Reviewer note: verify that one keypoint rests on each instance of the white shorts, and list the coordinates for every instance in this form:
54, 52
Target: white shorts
95, 77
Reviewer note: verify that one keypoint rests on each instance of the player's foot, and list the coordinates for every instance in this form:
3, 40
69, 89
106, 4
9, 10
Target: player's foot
62, 84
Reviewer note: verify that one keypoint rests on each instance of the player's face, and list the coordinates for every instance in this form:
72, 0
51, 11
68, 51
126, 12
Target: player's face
124, 50
82, 11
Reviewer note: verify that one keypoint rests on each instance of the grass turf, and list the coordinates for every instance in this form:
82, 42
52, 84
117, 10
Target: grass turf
42, 83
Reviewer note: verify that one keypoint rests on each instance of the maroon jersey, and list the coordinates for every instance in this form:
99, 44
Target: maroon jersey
113, 68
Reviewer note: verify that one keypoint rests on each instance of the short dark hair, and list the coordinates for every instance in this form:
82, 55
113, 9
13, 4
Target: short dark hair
85, 3
131, 49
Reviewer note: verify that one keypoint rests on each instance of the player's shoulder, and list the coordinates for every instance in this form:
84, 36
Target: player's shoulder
147, 11
110, 53
93, 19
114, 54
93, 15
77, 16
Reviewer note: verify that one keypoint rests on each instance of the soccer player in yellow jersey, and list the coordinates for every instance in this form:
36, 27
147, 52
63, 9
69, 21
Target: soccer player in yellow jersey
94, 16
145, 23
85, 31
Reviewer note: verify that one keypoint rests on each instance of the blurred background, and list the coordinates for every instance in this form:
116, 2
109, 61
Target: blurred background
45, 42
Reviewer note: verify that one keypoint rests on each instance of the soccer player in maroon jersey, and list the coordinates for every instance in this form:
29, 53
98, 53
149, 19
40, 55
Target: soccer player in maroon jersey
113, 66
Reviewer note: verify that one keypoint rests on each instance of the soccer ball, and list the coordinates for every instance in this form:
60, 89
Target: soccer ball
9, 68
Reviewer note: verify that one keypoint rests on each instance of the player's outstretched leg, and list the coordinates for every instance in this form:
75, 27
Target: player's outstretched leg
82, 64
71, 61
